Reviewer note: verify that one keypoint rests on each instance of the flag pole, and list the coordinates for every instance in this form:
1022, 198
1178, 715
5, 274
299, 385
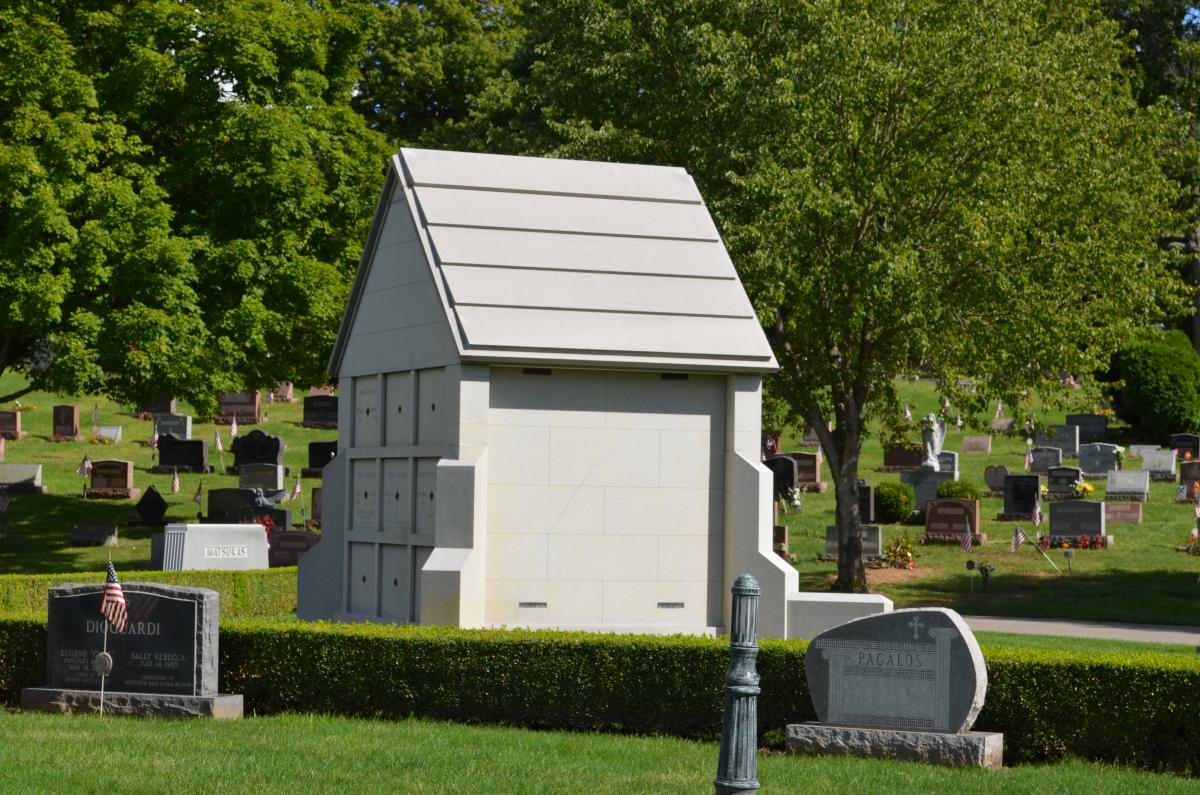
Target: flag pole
1038, 547
104, 655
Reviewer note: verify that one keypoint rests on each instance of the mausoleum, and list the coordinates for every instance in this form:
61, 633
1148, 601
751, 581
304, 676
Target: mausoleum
550, 381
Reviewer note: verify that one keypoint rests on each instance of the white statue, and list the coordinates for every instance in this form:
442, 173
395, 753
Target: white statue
933, 429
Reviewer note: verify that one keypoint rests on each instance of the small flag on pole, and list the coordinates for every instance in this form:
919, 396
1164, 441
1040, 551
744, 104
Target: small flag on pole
958, 422
967, 541
198, 496
112, 606
1037, 513
84, 468
907, 413
1019, 537
233, 428
1028, 458
174, 481
271, 397
154, 441
296, 490
217, 441
999, 409
95, 413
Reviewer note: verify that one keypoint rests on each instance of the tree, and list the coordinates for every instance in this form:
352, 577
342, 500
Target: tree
967, 186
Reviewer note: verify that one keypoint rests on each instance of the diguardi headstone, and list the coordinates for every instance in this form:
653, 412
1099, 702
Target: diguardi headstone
164, 662
907, 684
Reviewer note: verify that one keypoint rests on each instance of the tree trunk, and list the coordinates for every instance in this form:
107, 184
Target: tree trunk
852, 576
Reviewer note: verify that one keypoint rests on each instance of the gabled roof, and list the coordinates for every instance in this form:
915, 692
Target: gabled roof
572, 263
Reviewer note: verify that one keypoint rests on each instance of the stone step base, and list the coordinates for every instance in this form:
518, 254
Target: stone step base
111, 494
971, 749
158, 705
332, 426
166, 470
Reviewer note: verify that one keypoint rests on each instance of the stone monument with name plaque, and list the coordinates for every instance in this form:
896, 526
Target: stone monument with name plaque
946, 518
1061, 482
66, 422
1187, 444
1021, 494
178, 425
808, 471
163, 664
112, 479
1074, 518
227, 547
907, 684
925, 483
994, 477
1127, 484
181, 455
1064, 437
245, 406
10, 425
1160, 464
1098, 459
1044, 458
256, 447
320, 411
1140, 450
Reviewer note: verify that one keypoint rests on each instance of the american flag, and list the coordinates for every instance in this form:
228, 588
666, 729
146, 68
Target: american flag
967, 541
233, 428
217, 441
1019, 537
1037, 513
958, 422
271, 397
4, 501
945, 404
296, 490
999, 409
198, 496
112, 606
85, 466
907, 413
1195, 532
154, 441
1029, 455
174, 481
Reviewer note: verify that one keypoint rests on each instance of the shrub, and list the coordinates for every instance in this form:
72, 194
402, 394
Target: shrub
894, 502
1160, 372
959, 490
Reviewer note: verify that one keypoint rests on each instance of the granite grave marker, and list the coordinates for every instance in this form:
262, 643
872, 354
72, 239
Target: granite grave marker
1092, 427
256, 447
112, 479
1127, 484
872, 541
1097, 459
1061, 482
320, 411
1021, 494
182, 455
21, 478
66, 422
925, 483
10, 425
319, 454
178, 425
1160, 464
1044, 458
977, 444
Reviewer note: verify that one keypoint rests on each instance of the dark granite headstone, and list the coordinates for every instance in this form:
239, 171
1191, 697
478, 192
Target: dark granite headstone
1064, 437
1189, 473
1097, 459
320, 411
783, 470
1092, 427
319, 454
1044, 458
66, 421
160, 405
872, 541
1021, 493
256, 447
152, 508
866, 502
1185, 443
184, 455
994, 477
1077, 517
94, 535
225, 504
1061, 482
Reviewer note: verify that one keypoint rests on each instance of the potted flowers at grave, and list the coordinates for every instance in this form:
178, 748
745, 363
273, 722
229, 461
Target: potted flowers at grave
1084, 490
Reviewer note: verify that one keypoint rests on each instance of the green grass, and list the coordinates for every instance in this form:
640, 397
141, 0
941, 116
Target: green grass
35, 540
1084, 645
301, 753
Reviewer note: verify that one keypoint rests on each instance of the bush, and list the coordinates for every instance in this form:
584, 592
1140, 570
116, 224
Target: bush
1161, 376
1128, 708
894, 502
959, 490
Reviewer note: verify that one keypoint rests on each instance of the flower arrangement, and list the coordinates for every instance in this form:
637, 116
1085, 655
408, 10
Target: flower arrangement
1083, 489
899, 553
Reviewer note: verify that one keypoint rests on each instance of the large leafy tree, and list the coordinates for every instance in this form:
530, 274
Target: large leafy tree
966, 187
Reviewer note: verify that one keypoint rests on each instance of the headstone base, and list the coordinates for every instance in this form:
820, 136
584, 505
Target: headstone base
156, 705
241, 420
977, 539
62, 437
311, 472
329, 426
1014, 517
111, 494
814, 488
167, 470
14, 435
234, 470
971, 749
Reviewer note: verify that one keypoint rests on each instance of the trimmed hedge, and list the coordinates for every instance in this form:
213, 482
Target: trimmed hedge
1137, 709
959, 490
894, 502
261, 592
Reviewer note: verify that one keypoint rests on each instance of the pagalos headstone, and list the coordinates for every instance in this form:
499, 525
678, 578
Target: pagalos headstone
902, 685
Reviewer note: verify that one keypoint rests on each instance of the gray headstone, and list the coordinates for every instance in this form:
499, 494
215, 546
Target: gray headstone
909, 669
872, 540
1128, 484
1097, 458
1044, 458
866, 502
1021, 493
179, 425
1060, 481
1064, 437
214, 546
925, 484
994, 477
169, 645
1077, 517
948, 462
111, 433
1092, 427
977, 444
1140, 450
21, 477
268, 477
1160, 464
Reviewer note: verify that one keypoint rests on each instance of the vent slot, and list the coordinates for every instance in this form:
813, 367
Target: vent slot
536, 370
674, 376
670, 605
525, 605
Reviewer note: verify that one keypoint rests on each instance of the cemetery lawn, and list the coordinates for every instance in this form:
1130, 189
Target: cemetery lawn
1142, 579
304, 753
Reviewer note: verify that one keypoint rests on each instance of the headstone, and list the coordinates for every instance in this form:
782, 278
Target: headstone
977, 444
1002, 425
1021, 493
319, 454
1061, 482
1189, 473
21, 478
112, 479
898, 459
268, 477
945, 520
242, 405
225, 547
994, 477
320, 390
783, 473
285, 392
316, 505
109, 433
178, 425
182, 455
2, 442
160, 405
164, 663
1097, 458
1122, 513
1160, 464
1064, 437
948, 462
1127, 484
10, 425
780, 540
1140, 450
256, 447
1092, 427
1076, 518
320, 411
1044, 458
66, 422
94, 535
925, 484
287, 547
152, 508
810, 438
1188, 445
769, 446
866, 502
907, 684
226, 504
872, 540
808, 471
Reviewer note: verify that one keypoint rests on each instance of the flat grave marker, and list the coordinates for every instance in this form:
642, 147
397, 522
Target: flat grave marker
977, 444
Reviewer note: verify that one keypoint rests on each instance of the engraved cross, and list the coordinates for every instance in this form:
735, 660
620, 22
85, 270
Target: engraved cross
916, 625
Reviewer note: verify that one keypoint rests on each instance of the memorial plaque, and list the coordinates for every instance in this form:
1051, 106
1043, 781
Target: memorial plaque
10, 425
1122, 513
181, 455
1064, 437
320, 411
947, 518
1139, 450
1021, 493
257, 447
1061, 482
1044, 458
242, 405
994, 477
169, 645
866, 502
1097, 459
365, 481
1076, 518
977, 444
908, 669
151, 508
112, 479
224, 547
872, 541
1092, 427
288, 546
1188, 445
1128, 484
177, 425
94, 535
66, 422
925, 483
1160, 464
21, 478
319, 454
268, 477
